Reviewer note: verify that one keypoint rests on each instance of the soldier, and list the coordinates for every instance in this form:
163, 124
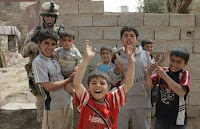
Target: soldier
49, 12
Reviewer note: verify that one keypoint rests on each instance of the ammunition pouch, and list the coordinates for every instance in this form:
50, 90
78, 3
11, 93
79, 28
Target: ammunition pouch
34, 88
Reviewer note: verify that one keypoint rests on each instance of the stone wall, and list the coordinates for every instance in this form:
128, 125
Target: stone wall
88, 20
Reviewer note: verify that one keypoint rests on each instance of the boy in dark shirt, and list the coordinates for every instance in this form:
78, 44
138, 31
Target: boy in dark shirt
174, 85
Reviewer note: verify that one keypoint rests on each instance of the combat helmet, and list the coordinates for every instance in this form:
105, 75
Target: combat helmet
49, 8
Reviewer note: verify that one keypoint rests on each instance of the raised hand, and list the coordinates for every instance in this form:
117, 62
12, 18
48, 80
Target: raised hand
89, 53
130, 52
166, 54
153, 67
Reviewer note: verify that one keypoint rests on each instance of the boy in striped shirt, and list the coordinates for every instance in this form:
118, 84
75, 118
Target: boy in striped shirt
100, 108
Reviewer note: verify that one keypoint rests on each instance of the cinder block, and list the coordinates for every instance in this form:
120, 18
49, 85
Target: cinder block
193, 111
195, 72
167, 33
156, 19
164, 45
134, 19
182, 20
197, 46
98, 44
197, 33
194, 60
91, 7
69, 7
187, 33
78, 20
197, 20
195, 89
112, 32
194, 99
104, 20
90, 33
146, 33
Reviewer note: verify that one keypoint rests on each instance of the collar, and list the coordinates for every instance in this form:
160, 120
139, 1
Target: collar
175, 72
44, 57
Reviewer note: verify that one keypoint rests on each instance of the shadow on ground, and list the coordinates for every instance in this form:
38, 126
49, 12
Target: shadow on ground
19, 119
24, 119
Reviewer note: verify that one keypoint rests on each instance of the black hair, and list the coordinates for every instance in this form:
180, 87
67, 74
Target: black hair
97, 74
48, 34
181, 52
146, 41
129, 28
106, 48
67, 33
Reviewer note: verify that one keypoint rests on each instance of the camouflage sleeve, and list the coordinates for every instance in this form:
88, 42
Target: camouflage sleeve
25, 50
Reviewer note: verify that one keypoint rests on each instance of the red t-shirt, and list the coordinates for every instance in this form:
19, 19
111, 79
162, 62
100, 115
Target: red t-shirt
109, 110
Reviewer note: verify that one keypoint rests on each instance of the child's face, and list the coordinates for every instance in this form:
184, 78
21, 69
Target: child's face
129, 38
47, 47
176, 63
149, 47
66, 42
98, 88
106, 56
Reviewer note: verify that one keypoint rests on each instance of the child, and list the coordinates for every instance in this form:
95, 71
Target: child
106, 55
138, 106
99, 108
174, 85
147, 44
47, 73
68, 55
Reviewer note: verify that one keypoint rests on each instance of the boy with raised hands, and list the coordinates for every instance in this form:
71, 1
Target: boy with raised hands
100, 108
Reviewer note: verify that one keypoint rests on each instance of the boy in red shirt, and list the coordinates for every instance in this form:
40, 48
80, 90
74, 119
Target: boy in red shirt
100, 108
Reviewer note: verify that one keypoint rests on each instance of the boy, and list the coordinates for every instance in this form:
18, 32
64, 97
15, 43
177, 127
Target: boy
147, 44
106, 55
99, 108
138, 107
58, 111
174, 85
68, 55
49, 13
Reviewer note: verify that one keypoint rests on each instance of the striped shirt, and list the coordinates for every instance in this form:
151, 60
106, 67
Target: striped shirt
109, 109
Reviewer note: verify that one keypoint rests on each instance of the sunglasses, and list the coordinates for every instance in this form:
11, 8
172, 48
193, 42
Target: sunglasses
50, 15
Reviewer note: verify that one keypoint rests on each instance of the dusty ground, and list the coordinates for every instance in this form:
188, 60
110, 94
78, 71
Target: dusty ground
13, 84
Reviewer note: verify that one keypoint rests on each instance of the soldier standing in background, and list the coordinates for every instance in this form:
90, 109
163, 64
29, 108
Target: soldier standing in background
49, 12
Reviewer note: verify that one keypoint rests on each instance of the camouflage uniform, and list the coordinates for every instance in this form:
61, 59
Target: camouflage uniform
26, 51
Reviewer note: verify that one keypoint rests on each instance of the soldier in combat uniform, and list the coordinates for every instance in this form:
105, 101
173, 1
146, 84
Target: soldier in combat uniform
49, 12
